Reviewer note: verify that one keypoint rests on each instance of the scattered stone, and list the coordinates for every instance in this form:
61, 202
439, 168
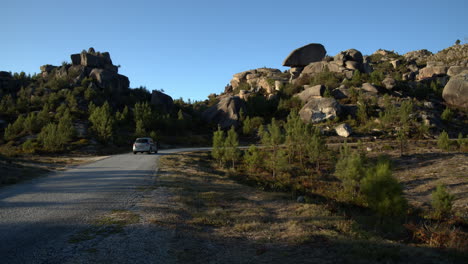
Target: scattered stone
369, 88
395, 63
320, 109
389, 83
456, 90
429, 105
303, 56
343, 130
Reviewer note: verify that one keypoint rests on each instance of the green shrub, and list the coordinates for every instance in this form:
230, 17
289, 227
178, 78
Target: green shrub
441, 201
15, 129
50, 139
447, 115
29, 146
327, 78
383, 192
443, 141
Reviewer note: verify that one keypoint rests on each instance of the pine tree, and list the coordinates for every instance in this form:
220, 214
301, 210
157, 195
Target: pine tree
296, 138
140, 130
15, 129
442, 201
383, 192
143, 112
350, 170
315, 147
66, 130
49, 138
232, 153
218, 150
102, 121
443, 142
272, 138
253, 158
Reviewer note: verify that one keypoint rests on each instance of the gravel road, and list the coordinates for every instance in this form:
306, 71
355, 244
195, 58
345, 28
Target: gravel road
53, 219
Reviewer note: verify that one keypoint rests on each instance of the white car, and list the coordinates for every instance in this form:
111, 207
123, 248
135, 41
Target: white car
145, 145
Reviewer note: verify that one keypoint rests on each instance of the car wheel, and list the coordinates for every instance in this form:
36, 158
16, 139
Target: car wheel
134, 152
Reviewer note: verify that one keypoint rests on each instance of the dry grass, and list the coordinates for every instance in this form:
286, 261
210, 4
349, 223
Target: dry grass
210, 211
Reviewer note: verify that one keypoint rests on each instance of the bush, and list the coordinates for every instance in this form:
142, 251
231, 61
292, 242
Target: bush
442, 201
50, 139
29, 146
15, 129
447, 115
327, 78
443, 141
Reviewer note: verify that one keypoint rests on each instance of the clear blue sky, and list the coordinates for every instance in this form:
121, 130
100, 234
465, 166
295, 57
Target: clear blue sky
192, 48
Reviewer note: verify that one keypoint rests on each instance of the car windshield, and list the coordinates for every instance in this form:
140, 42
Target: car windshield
141, 140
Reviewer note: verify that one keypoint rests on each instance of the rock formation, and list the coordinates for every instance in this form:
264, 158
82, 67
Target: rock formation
311, 92
320, 109
456, 90
302, 56
162, 101
262, 78
226, 112
92, 64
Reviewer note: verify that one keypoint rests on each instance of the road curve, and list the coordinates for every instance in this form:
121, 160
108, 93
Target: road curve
38, 217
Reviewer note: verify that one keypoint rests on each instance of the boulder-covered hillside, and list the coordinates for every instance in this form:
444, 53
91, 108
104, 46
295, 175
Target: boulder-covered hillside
366, 93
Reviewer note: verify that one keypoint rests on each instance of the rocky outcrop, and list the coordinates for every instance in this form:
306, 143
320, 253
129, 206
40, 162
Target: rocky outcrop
418, 56
6, 81
455, 70
351, 59
162, 101
343, 130
311, 92
432, 71
110, 80
455, 55
317, 67
94, 59
456, 90
267, 79
225, 113
320, 109
305, 55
